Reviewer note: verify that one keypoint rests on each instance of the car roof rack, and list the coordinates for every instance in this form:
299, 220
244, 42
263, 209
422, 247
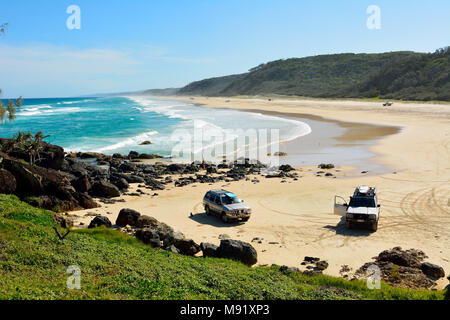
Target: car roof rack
365, 191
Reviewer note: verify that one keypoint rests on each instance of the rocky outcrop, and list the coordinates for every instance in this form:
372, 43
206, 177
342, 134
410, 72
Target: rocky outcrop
237, 250
404, 268
8, 182
149, 236
100, 221
127, 217
432, 270
104, 189
208, 249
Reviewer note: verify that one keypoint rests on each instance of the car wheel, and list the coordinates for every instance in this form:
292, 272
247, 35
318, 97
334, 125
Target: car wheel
375, 226
348, 225
224, 218
245, 219
207, 211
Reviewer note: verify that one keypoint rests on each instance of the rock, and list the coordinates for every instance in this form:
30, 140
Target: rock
208, 249
322, 265
28, 182
432, 270
173, 249
127, 216
133, 155
100, 221
149, 236
286, 168
164, 231
146, 221
311, 259
237, 250
63, 221
224, 237
8, 183
286, 269
104, 189
144, 143
187, 247
86, 201
120, 183
82, 184
173, 238
326, 166
401, 258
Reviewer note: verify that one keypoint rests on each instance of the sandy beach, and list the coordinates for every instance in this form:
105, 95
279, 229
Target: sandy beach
295, 219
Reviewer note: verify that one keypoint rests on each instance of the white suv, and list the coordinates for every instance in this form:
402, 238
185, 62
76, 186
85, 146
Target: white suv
363, 208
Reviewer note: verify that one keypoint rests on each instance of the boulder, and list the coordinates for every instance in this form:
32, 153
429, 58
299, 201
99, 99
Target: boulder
237, 250
149, 236
104, 189
173, 249
144, 143
127, 217
146, 221
8, 183
82, 184
399, 257
28, 182
86, 201
432, 270
187, 247
100, 221
208, 249
173, 238
120, 183
286, 269
322, 265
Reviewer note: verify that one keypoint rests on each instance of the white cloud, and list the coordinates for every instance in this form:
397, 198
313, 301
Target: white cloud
50, 70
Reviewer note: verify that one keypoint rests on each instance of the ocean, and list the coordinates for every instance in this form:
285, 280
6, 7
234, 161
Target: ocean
120, 124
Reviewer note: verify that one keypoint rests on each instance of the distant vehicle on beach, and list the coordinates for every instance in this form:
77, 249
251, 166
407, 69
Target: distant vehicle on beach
363, 208
226, 205
387, 104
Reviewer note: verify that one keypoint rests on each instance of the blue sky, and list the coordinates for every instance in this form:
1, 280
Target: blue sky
137, 44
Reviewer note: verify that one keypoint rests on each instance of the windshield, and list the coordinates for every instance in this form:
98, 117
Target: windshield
362, 202
226, 199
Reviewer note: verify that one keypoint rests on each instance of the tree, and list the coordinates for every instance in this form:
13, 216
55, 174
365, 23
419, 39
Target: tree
12, 105
28, 143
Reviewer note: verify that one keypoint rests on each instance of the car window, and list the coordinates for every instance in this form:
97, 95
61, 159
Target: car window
230, 200
217, 200
362, 202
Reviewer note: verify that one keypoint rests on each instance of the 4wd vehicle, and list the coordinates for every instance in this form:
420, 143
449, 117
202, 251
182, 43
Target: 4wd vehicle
363, 208
226, 205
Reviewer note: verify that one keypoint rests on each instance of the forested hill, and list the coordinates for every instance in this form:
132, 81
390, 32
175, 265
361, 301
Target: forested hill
394, 75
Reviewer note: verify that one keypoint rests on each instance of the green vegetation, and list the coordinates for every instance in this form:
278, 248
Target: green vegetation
33, 264
11, 105
394, 75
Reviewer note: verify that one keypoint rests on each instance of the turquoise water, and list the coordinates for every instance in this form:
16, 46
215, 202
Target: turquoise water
119, 124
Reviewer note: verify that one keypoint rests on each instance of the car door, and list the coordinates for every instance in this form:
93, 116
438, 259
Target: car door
340, 206
217, 205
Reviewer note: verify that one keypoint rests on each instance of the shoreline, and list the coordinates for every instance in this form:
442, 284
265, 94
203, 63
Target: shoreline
298, 215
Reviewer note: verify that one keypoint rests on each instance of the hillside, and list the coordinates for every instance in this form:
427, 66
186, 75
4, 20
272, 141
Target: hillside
395, 75
33, 264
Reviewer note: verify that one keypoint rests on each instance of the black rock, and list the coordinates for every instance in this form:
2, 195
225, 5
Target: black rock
432, 270
100, 221
127, 217
237, 250
208, 249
